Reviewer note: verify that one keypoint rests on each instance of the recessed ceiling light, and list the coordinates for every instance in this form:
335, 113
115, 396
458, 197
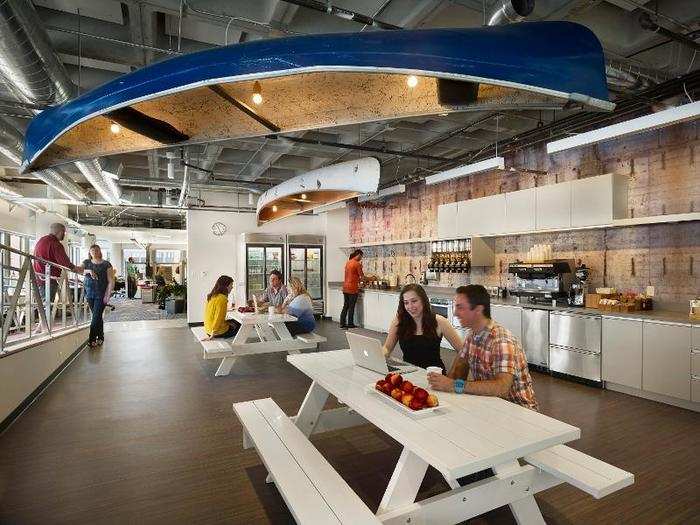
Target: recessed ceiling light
412, 81
115, 128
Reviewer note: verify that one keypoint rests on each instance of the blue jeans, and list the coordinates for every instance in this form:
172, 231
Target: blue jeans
97, 307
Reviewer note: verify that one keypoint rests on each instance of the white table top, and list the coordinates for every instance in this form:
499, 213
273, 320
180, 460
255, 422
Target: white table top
468, 434
255, 318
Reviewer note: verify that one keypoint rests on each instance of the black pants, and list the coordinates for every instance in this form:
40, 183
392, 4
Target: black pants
348, 312
96, 325
295, 328
130, 287
233, 327
53, 288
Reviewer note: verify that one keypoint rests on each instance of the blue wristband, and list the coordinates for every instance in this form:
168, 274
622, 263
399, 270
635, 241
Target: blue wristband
459, 386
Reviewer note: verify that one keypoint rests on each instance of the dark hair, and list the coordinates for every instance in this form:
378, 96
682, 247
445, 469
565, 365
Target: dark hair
477, 295
220, 287
355, 254
407, 326
277, 273
95, 246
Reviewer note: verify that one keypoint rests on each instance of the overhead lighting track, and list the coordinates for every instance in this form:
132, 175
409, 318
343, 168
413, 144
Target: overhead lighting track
657, 120
495, 163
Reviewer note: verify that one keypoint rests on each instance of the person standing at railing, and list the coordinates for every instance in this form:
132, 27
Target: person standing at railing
99, 283
49, 248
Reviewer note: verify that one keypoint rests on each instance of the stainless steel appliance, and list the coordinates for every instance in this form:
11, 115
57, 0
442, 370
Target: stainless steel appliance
575, 344
444, 307
306, 263
535, 336
263, 253
541, 281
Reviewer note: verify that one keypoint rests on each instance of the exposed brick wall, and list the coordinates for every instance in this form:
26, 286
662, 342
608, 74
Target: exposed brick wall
664, 171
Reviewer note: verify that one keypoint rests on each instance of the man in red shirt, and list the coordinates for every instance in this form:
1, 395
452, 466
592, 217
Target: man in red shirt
49, 248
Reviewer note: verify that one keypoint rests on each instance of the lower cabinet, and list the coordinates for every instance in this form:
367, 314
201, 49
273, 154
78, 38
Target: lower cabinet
334, 304
666, 359
622, 351
509, 317
370, 307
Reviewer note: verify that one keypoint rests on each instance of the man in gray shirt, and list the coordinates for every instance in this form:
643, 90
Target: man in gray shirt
275, 293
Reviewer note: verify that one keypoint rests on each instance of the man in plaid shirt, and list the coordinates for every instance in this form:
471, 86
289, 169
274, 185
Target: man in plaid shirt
492, 361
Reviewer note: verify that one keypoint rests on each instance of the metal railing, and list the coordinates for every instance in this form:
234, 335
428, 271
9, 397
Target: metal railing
29, 308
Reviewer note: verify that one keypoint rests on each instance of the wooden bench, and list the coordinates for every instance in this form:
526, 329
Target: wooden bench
228, 351
581, 470
313, 491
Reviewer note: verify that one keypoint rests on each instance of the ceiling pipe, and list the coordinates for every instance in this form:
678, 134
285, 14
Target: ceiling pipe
647, 23
510, 11
35, 75
326, 7
183, 190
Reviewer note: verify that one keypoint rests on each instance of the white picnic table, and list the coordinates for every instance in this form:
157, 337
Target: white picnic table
466, 435
269, 334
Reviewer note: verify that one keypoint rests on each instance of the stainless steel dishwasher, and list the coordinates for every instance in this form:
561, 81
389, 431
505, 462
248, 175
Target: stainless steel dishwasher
535, 336
574, 344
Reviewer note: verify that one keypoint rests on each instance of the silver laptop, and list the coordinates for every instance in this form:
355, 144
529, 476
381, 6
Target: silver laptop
367, 353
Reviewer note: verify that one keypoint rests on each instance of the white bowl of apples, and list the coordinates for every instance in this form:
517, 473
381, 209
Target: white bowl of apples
404, 395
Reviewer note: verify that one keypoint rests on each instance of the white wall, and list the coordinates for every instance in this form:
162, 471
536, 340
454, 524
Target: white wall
21, 373
19, 220
209, 256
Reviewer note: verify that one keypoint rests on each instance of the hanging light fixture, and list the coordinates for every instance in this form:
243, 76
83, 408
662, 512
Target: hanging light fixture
318, 188
257, 93
495, 163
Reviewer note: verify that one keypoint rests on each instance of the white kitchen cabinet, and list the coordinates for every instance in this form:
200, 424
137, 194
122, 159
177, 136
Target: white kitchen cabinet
622, 351
598, 200
510, 317
484, 216
695, 390
696, 338
334, 304
520, 209
370, 307
388, 303
666, 359
553, 206
447, 221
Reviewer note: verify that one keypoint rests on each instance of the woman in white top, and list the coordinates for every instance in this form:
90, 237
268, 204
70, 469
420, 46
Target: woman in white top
298, 303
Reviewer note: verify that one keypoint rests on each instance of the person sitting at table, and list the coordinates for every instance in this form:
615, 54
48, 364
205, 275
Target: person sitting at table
298, 303
492, 361
418, 330
215, 323
275, 293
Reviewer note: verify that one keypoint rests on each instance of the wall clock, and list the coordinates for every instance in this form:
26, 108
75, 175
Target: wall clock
218, 228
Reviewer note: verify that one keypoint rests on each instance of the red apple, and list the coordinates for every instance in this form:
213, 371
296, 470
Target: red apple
421, 394
407, 387
432, 401
386, 388
406, 399
395, 379
379, 385
397, 393
416, 404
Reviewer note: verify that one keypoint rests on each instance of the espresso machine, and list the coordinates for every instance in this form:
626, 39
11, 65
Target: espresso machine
541, 282
579, 286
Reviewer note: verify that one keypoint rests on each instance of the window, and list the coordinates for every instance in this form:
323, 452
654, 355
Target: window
167, 256
139, 255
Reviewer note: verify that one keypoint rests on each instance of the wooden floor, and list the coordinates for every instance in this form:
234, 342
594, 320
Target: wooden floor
142, 432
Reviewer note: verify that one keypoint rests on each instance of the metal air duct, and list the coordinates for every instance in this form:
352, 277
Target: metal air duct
35, 75
510, 11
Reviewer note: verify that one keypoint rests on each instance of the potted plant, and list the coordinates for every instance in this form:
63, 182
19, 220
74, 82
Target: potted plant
176, 300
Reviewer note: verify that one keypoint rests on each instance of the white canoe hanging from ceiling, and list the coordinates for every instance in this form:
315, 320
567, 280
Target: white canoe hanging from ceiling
317, 188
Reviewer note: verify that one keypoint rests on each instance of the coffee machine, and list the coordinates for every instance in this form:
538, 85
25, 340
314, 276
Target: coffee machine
541, 282
579, 287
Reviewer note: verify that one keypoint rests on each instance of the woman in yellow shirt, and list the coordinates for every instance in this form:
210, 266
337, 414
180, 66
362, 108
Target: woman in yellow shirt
215, 323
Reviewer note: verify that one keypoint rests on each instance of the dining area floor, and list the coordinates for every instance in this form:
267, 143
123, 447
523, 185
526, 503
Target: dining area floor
140, 430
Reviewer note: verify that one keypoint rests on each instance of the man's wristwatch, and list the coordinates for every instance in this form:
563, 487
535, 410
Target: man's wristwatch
459, 386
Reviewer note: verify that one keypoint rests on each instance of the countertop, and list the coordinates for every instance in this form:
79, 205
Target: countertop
667, 316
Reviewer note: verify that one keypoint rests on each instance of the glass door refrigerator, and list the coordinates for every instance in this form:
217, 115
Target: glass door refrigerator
263, 253
306, 263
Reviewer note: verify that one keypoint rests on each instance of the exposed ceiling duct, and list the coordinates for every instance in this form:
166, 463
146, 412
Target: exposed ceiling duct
510, 11
647, 23
11, 144
35, 75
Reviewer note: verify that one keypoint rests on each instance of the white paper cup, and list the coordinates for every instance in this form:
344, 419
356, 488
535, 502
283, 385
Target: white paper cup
270, 310
434, 369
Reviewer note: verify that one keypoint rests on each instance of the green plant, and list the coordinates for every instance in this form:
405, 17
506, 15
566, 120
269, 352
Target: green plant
178, 290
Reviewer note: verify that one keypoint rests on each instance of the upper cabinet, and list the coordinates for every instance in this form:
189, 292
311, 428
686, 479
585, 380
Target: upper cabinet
598, 200
553, 206
520, 210
447, 221
484, 216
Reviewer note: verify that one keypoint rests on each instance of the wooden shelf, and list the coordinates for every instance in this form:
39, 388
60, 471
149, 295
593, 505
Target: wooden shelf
617, 223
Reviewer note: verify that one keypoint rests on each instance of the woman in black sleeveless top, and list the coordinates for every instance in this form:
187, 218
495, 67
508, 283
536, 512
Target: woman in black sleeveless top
419, 331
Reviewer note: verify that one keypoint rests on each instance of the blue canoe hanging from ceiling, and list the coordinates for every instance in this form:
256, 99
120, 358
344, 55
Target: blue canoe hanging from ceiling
316, 81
